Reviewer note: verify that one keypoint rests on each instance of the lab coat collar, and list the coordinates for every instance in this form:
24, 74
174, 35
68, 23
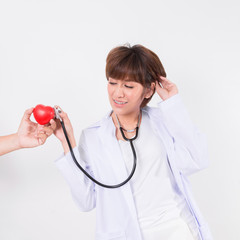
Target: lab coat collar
107, 135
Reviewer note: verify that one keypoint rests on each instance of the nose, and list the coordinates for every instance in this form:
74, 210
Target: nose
119, 92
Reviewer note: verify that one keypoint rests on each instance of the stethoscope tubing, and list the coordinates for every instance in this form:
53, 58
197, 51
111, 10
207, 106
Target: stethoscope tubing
88, 175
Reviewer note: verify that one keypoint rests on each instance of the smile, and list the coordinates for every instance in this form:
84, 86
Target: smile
119, 102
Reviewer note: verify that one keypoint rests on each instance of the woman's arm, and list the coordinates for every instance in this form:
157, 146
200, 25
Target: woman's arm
58, 131
29, 135
190, 144
82, 188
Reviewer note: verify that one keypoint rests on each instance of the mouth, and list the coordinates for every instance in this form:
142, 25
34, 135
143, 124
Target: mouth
119, 102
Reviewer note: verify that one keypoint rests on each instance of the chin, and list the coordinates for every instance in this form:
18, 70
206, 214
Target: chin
122, 112
119, 111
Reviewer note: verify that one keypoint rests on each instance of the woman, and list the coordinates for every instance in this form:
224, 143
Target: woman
29, 135
156, 203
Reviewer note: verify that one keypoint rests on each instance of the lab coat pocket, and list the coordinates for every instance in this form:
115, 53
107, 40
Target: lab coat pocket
120, 235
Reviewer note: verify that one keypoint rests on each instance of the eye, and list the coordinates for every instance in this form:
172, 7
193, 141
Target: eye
112, 83
127, 86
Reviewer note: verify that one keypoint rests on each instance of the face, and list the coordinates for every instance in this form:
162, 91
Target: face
126, 96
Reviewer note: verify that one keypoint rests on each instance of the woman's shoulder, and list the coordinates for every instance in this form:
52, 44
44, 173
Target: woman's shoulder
97, 130
150, 110
96, 125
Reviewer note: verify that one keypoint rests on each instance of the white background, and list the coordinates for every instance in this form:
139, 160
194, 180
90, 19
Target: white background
53, 52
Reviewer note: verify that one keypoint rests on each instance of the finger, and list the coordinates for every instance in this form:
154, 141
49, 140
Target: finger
40, 127
45, 129
164, 78
42, 138
158, 85
28, 113
161, 81
48, 131
159, 88
62, 114
64, 118
58, 108
53, 124
167, 84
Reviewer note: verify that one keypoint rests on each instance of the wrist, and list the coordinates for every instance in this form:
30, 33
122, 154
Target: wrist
65, 144
16, 141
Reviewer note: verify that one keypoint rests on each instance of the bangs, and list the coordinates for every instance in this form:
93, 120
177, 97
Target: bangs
126, 66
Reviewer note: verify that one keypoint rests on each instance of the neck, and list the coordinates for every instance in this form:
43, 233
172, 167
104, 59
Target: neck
128, 121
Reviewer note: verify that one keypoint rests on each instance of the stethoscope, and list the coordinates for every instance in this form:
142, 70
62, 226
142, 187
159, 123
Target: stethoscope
57, 116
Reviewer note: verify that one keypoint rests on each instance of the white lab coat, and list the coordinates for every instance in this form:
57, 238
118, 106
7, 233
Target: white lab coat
100, 154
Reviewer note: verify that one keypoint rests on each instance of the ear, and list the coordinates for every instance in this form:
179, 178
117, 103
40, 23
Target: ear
149, 91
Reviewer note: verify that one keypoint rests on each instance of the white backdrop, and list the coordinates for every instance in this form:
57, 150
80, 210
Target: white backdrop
54, 51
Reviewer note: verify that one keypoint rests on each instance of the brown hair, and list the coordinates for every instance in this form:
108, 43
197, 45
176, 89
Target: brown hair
136, 63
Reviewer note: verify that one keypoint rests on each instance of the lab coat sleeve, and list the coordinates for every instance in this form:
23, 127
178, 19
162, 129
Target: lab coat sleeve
82, 188
190, 145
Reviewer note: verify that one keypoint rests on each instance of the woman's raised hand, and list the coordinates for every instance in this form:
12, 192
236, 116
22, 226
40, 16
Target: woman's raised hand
167, 90
58, 131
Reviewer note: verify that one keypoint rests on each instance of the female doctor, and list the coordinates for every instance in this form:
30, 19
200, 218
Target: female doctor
156, 204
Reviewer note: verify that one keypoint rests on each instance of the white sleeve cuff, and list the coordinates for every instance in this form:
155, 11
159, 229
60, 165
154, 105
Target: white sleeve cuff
173, 101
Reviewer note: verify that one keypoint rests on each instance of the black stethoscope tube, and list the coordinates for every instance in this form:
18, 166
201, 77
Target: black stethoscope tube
88, 175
